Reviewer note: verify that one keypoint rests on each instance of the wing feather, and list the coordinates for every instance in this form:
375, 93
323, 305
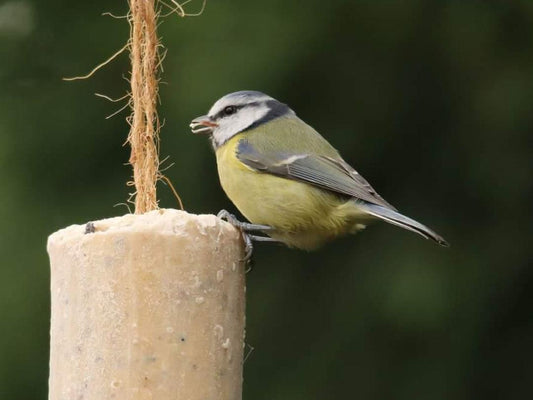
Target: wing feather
325, 172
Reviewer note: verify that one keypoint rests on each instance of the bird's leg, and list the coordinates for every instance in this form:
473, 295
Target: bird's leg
243, 226
248, 238
257, 238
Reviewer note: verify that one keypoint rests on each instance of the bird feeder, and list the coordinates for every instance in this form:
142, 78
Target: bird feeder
147, 305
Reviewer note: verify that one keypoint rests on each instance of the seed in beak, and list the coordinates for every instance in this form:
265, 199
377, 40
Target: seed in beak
202, 125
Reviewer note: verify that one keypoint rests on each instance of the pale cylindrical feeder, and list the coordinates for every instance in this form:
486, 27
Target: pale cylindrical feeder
147, 306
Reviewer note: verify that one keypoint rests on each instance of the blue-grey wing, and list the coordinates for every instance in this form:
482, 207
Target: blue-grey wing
326, 172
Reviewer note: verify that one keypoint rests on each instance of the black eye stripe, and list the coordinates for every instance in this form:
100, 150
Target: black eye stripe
222, 113
230, 110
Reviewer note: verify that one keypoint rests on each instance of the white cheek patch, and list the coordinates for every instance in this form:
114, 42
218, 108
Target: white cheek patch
230, 126
222, 133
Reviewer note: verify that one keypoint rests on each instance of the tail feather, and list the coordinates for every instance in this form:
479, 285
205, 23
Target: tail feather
395, 218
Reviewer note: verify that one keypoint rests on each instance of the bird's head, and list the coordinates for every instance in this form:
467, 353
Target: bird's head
238, 112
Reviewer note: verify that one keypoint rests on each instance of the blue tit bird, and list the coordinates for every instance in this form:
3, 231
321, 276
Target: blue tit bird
286, 179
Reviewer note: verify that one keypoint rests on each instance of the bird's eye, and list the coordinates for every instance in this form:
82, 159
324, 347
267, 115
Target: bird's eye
229, 110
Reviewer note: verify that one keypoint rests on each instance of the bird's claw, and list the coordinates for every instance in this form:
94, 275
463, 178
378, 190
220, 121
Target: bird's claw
245, 228
248, 246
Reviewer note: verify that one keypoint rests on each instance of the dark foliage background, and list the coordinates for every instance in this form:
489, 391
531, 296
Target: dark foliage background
432, 101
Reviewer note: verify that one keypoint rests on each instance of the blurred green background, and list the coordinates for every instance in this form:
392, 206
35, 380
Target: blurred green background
432, 101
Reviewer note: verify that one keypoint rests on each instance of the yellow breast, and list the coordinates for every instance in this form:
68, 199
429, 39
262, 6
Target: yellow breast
303, 216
